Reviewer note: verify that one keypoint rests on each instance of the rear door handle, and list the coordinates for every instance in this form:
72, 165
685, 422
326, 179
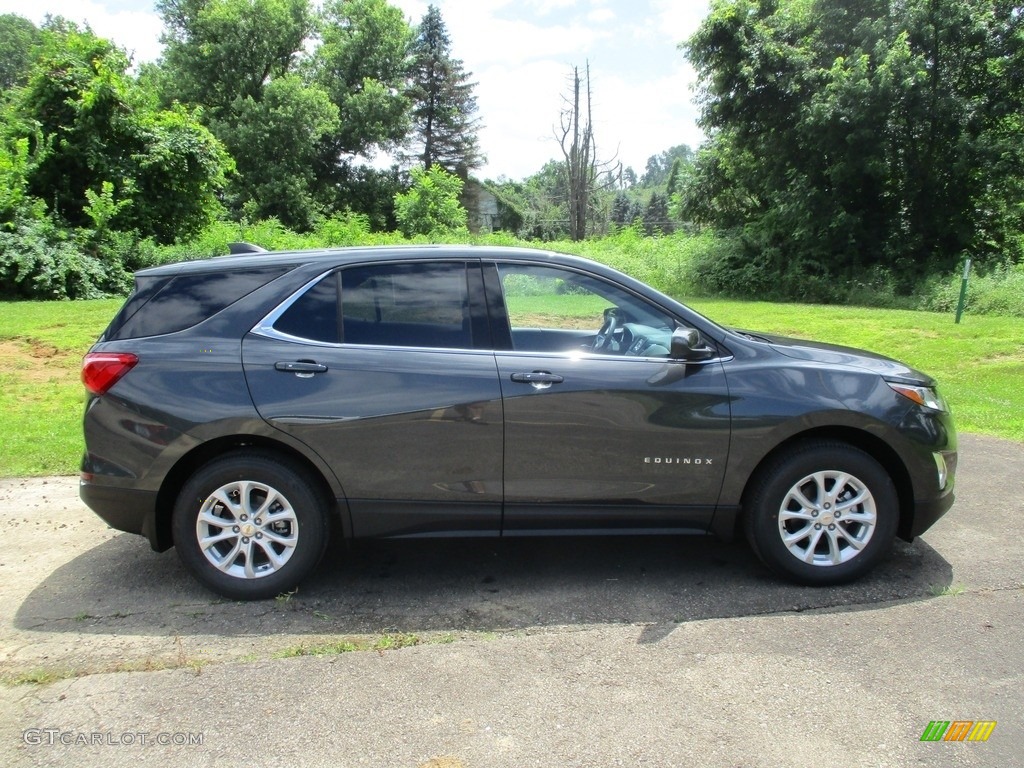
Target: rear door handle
538, 379
302, 368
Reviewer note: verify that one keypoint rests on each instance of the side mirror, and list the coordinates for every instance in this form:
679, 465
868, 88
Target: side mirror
686, 346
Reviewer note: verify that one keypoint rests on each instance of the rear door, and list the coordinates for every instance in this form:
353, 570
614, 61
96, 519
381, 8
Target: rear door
385, 370
602, 430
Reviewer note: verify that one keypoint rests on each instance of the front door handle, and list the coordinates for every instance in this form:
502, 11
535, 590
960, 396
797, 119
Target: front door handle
304, 369
538, 379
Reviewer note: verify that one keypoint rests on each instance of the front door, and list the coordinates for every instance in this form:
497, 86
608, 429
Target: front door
602, 429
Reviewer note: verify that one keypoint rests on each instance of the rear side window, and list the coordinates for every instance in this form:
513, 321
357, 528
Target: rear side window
168, 305
314, 315
395, 305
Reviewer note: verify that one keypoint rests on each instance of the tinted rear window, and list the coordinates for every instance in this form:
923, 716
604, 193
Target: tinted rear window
167, 305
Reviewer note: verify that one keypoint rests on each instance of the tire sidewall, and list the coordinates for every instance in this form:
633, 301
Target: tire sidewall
284, 477
787, 471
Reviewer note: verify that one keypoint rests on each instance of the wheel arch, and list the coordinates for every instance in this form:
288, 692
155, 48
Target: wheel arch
872, 445
162, 538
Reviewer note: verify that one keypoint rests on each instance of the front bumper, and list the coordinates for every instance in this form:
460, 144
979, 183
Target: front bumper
928, 511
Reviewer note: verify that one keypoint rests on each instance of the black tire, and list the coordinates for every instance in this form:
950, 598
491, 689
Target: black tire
284, 542
840, 527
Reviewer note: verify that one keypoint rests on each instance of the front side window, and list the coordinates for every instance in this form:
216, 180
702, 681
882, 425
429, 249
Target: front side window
559, 310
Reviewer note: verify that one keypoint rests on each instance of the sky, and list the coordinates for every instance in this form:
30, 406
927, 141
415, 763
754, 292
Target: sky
520, 54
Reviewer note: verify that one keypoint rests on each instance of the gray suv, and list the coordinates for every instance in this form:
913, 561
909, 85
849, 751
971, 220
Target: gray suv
243, 407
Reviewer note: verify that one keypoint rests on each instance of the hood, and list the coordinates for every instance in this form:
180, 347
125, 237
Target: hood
833, 354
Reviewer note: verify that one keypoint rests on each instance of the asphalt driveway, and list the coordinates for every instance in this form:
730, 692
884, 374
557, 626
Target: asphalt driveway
639, 652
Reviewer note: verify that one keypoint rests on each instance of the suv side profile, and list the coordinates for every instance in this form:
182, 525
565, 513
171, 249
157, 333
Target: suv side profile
244, 407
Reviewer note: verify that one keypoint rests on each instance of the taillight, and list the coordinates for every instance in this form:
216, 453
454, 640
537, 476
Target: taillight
101, 370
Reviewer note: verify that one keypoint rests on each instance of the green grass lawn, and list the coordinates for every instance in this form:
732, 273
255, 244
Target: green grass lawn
41, 395
979, 365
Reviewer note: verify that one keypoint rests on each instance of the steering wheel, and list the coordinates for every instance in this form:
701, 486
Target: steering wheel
603, 340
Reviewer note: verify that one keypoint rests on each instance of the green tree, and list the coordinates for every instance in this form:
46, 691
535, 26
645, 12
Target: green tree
19, 38
659, 167
431, 206
626, 209
275, 140
444, 109
361, 64
217, 52
656, 216
295, 117
179, 176
535, 208
241, 61
847, 137
87, 125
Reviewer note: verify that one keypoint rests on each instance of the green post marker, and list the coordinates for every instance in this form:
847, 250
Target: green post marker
963, 291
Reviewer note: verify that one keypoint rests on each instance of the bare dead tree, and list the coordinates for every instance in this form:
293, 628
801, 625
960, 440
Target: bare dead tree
582, 169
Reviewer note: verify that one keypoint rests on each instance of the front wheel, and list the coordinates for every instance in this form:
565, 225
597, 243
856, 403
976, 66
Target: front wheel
250, 525
822, 513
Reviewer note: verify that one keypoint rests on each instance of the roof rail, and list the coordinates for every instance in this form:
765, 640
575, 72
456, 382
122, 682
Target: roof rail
236, 249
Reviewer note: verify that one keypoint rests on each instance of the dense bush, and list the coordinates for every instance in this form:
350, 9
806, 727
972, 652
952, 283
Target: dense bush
40, 261
730, 267
999, 291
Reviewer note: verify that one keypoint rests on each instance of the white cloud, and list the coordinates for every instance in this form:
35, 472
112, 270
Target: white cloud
547, 7
601, 15
520, 53
137, 31
518, 122
678, 20
645, 118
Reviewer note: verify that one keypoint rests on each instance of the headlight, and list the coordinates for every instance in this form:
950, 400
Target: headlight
924, 396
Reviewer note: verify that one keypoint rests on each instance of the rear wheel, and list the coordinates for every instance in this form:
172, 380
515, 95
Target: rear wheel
822, 513
250, 525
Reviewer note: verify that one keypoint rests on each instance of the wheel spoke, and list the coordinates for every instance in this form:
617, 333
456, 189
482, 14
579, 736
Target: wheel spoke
285, 514
228, 560
834, 550
276, 560
250, 572
841, 481
229, 504
224, 535
821, 482
813, 545
851, 540
797, 495
791, 539
285, 541
245, 489
860, 498
272, 497
864, 518
791, 514
207, 516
